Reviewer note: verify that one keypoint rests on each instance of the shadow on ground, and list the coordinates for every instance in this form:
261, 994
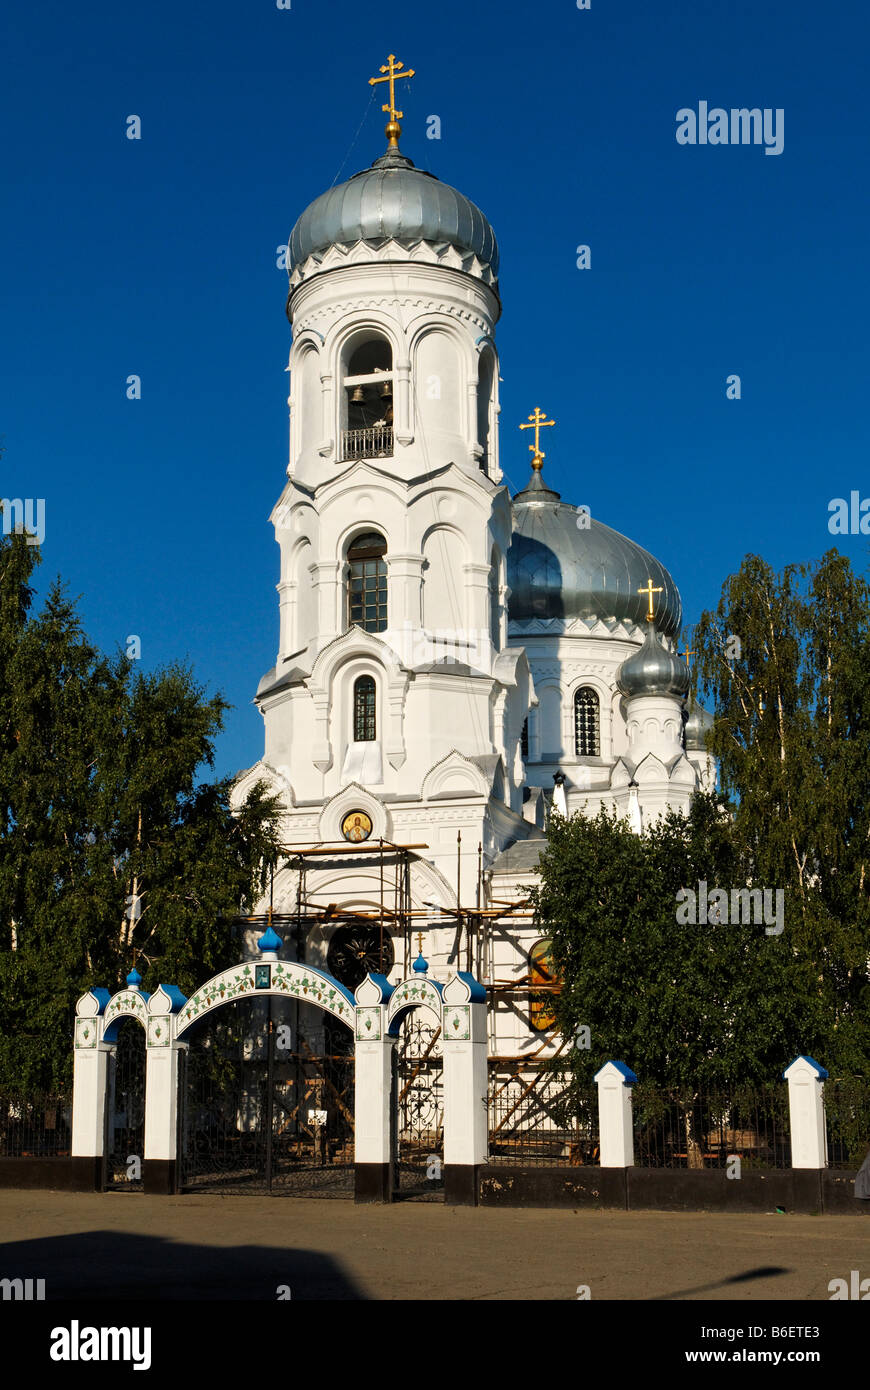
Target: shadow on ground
763, 1272
113, 1265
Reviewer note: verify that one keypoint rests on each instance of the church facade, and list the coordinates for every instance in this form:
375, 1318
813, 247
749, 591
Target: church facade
452, 661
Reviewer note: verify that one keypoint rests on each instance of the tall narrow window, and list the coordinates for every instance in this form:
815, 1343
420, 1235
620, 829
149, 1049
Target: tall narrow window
524, 739
365, 724
587, 740
367, 583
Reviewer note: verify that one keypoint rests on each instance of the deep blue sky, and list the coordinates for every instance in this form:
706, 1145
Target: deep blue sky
158, 257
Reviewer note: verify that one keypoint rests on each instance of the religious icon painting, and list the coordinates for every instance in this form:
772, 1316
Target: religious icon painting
356, 826
542, 972
262, 976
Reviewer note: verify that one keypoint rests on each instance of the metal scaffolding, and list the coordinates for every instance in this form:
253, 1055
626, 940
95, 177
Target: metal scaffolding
394, 915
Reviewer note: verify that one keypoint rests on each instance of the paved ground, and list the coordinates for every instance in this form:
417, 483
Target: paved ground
132, 1246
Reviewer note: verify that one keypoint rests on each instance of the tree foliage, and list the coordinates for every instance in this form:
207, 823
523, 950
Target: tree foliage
792, 736
683, 1005
113, 851
714, 1003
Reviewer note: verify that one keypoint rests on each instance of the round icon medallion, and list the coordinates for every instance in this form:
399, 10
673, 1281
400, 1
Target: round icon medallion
356, 826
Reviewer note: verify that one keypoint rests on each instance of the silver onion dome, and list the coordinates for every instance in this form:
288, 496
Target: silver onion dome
393, 201
652, 670
699, 720
560, 568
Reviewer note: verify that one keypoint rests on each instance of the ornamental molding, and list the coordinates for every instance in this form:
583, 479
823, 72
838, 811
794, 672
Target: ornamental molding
87, 1033
454, 775
571, 670
576, 627
287, 978
380, 251
326, 314
413, 994
438, 816
354, 797
127, 1003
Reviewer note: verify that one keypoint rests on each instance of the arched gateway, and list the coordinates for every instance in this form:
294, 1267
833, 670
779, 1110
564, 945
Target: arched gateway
234, 1100
260, 1108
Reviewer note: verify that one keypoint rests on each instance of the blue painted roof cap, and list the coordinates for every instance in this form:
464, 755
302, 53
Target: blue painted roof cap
134, 979
270, 940
421, 965
817, 1066
626, 1072
478, 991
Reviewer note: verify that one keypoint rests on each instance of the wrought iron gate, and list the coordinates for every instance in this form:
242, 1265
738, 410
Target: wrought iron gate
418, 1110
125, 1110
258, 1116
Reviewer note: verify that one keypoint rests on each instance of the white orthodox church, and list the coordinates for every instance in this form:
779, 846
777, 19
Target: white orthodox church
452, 661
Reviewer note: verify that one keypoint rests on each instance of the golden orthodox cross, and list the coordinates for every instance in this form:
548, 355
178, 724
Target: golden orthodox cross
391, 71
687, 653
649, 591
537, 423
420, 942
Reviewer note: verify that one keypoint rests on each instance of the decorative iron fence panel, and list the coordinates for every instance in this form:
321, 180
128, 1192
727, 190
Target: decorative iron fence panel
35, 1126
376, 441
705, 1129
847, 1114
257, 1117
538, 1118
125, 1110
418, 1108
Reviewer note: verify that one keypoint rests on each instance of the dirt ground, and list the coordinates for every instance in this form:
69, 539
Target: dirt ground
204, 1247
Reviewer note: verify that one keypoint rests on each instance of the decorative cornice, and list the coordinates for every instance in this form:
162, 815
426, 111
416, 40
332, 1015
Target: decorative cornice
441, 255
328, 313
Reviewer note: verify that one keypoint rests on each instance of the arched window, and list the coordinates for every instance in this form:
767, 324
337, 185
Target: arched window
367, 583
542, 972
587, 723
367, 431
365, 724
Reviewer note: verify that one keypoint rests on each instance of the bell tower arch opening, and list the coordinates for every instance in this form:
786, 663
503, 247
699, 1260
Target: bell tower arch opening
367, 397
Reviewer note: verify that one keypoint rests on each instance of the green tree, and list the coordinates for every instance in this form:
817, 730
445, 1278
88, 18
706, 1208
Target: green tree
113, 849
792, 736
684, 1005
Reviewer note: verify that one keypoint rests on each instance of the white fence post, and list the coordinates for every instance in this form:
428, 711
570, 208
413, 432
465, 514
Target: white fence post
615, 1128
163, 1056
466, 1121
806, 1105
373, 1054
90, 1079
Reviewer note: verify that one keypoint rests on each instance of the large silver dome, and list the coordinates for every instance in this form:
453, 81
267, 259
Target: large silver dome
557, 569
393, 201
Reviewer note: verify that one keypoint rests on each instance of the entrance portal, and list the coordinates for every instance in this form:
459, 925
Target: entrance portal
418, 1163
262, 1110
125, 1110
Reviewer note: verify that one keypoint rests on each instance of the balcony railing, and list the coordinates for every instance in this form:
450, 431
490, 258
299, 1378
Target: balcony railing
376, 442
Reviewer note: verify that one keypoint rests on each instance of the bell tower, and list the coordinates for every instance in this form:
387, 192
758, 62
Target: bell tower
394, 525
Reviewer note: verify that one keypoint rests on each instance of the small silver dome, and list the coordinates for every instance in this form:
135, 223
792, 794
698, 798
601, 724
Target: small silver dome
653, 671
393, 200
698, 722
557, 569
